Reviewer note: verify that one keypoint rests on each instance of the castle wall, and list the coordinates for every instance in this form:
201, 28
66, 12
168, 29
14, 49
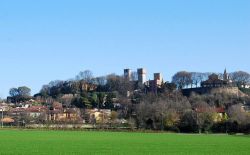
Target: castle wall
209, 90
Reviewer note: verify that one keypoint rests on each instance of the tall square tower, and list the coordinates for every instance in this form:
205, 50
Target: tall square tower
142, 75
127, 74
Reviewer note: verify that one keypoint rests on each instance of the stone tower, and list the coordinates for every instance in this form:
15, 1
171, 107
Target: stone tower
142, 75
158, 78
127, 74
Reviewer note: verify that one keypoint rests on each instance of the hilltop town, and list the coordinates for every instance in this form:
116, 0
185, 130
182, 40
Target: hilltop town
191, 102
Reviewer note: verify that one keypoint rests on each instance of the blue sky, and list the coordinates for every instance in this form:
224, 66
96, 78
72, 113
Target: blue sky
47, 40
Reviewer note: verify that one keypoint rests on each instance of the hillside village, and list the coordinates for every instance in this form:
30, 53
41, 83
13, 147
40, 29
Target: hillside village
191, 102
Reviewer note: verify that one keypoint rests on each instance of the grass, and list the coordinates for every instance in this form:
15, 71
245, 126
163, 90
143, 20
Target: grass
17, 142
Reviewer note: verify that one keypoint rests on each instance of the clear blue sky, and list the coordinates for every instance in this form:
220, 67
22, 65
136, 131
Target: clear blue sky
46, 40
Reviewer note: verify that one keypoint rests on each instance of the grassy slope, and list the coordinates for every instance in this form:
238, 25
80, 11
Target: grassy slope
76, 142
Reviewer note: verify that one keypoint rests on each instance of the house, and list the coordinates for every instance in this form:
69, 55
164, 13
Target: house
65, 115
36, 111
60, 114
69, 115
99, 116
54, 111
154, 85
219, 113
16, 112
246, 86
4, 107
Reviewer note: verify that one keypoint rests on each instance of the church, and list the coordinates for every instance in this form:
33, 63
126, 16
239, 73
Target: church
214, 81
214, 84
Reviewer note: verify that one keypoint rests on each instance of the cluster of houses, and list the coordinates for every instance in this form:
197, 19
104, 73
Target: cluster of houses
28, 113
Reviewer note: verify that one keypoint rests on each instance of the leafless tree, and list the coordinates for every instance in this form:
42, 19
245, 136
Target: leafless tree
86, 76
161, 112
119, 84
182, 79
241, 78
198, 77
236, 113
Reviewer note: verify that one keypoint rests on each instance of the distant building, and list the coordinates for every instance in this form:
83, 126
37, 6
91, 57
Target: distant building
142, 82
214, 81
59, 114
98, 116
155, 84
245, 86
142, 76
128, 74
226, 77
219, 113
158, 78
152, 86
36, 111
215, 84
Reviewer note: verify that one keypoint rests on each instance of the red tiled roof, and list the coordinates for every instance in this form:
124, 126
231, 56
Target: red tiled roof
220, 110
37, 109
17, 110
217, 110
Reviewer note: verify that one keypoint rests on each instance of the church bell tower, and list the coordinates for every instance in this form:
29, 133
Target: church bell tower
225, 75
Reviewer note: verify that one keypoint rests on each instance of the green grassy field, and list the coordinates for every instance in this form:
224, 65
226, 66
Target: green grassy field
17, 142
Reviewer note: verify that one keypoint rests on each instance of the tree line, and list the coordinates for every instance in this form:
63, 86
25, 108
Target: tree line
167, 109
184, 79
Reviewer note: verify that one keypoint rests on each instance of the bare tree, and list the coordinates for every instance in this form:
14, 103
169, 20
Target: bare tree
182, 79
56, 83
86, 76
241, 78
101, 80
119, 84
198, 77
236, 113
161, 112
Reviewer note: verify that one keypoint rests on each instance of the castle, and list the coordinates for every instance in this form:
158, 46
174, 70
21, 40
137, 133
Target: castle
153, 85
214, 83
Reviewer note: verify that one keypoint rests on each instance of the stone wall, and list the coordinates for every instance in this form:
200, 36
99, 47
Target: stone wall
209, 90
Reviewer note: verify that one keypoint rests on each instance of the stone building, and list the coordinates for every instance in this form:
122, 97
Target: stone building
142, 82
128, 74
214, 81
215, 84
142, 76
158, 79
